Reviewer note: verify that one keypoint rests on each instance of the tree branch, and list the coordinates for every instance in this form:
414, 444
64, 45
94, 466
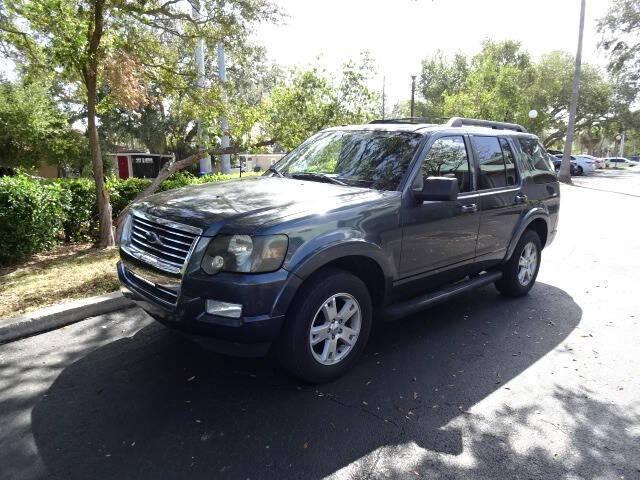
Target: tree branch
172, 167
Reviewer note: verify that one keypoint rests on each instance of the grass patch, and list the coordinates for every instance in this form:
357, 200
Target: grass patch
68, 273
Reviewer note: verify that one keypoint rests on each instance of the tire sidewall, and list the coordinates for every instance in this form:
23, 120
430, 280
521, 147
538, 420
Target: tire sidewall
510, 283
302, 313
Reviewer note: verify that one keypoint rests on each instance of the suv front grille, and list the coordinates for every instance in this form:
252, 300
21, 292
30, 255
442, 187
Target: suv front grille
160, 242
160, 292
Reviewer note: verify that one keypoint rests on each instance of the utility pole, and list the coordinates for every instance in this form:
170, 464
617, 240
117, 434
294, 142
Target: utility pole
383, 97
205, 162
622, 138
224, 125
413, 94
565, 174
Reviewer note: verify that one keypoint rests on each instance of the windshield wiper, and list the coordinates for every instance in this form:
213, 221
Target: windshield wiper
275, 170
317, 176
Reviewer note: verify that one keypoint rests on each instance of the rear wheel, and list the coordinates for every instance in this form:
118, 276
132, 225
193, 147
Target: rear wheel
521, 270
327, 326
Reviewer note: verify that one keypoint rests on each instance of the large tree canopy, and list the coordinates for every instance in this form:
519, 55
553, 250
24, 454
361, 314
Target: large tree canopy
310, 101
502, 82
33, 130
620, 29
113, 46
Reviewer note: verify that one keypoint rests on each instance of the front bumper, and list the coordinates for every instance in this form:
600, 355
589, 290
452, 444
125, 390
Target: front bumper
264, 297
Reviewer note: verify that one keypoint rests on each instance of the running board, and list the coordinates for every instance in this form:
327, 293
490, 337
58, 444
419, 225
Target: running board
403, 309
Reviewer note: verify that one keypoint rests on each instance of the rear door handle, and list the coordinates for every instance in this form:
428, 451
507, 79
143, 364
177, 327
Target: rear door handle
471, 208
521, 198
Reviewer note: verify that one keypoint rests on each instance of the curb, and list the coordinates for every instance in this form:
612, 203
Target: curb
49, 318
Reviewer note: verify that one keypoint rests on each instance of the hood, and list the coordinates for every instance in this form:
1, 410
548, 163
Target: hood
248, 204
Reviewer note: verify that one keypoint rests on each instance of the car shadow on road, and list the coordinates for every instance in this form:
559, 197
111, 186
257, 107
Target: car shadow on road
157, 406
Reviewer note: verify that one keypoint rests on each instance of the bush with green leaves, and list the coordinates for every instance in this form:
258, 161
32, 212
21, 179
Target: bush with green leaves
80, 213
122, 192
32, 214
37, 214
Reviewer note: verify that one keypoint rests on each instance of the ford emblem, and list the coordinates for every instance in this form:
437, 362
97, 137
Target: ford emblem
153, 238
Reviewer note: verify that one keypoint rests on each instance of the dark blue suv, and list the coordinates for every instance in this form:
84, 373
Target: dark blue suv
359, 224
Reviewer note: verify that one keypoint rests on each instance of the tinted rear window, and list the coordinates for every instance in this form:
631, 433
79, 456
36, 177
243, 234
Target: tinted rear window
535, 159
491, 161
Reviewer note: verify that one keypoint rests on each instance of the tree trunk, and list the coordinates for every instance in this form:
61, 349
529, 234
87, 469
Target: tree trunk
105, 238
565, 167
90, 74
169, 169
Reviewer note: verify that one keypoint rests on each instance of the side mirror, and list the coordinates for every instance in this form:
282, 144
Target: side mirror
443, 189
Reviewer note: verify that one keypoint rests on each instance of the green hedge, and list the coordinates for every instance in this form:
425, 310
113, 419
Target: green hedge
31, 217
37, 214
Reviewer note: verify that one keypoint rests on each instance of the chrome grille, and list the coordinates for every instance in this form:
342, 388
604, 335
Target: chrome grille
161, 242
165, 293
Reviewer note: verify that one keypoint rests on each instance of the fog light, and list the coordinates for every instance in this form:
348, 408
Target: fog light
224, 309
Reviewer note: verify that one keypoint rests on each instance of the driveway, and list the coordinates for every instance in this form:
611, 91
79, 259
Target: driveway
482, 387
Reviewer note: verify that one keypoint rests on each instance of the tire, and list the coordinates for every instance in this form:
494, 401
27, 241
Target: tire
312, 307
580, 171
513, 283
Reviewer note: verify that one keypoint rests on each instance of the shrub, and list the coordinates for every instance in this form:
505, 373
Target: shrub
81, 215
178, 180
37, 214
122, 192
31, 217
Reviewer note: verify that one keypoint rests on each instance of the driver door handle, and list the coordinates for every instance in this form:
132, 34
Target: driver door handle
470, 208
521, 198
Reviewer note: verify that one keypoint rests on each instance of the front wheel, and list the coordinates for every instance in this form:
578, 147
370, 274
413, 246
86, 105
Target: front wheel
580, 171
521, 270
327, 326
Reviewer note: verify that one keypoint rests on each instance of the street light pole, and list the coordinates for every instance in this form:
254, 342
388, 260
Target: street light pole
413, 94
383, 97
225, 164
622, 138
565, 168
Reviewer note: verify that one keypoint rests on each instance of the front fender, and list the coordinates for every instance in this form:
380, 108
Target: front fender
525, 221
316, 254
317, 258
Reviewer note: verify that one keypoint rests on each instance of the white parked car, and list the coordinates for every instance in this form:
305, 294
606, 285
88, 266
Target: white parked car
620, 162
599, 162
584, 165
587, 163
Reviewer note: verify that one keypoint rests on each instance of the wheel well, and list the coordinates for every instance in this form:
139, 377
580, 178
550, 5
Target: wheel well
540, 227
367, 270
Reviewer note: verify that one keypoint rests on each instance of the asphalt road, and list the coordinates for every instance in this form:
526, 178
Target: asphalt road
483, 387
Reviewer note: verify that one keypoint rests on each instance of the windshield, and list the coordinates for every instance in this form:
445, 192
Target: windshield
370, 159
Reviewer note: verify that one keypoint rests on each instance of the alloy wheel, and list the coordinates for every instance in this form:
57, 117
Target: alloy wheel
527, 264
335, 329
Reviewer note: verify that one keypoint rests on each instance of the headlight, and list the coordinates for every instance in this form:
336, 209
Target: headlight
125, 229
245, 254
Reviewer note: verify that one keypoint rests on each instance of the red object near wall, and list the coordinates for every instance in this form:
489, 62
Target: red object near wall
123, 166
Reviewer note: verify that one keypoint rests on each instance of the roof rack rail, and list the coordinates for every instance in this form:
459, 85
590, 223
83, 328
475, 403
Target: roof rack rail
460, 121
409, 120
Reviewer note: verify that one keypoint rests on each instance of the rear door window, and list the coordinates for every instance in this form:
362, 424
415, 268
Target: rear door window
509, 162
491, 163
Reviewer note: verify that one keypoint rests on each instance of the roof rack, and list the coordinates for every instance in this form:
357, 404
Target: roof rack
455, 122
410, 120
460, 121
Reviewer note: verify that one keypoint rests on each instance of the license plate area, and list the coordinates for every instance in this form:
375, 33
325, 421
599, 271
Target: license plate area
157, 286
